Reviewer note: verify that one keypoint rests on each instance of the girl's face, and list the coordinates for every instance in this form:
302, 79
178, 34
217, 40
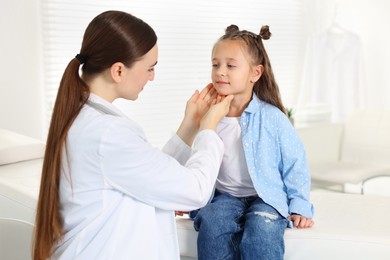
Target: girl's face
136, 77
232, 72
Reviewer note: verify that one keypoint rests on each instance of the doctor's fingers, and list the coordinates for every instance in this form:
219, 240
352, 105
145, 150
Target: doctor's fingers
206, 90
181, 213
223, 102
209, 93
194, 97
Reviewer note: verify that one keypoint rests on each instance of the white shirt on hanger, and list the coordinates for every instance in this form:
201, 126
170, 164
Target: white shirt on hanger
333, 74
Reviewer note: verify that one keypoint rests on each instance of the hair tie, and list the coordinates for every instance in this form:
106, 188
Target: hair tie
80, 58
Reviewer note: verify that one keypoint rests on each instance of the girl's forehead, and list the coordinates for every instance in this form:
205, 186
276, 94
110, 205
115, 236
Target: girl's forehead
232, 50
230, 42
230, 47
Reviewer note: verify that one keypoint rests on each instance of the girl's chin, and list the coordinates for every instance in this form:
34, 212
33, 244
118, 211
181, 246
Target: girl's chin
221, 91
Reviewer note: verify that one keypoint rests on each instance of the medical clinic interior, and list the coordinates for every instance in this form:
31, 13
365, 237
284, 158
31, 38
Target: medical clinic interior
331, 62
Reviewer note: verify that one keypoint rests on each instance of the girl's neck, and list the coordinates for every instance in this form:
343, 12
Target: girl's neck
238, 106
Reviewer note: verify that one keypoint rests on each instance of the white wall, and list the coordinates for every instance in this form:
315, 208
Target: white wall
21, 88
21, 81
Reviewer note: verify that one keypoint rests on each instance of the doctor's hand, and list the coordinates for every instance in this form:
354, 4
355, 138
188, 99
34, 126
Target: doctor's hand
219, 108
181, 213
196, 107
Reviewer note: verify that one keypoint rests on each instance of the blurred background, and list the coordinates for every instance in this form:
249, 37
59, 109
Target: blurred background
329, 57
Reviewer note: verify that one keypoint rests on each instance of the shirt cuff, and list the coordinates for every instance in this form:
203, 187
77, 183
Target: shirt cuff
301, 207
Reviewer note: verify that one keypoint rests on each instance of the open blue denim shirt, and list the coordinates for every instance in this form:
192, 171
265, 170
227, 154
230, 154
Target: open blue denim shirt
276, 159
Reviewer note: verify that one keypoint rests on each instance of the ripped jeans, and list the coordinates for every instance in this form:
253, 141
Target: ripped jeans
239, 228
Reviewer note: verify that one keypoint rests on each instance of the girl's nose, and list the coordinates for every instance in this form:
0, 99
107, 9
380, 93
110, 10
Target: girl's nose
221, 72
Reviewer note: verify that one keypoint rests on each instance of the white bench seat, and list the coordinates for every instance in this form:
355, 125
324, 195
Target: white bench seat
347, 226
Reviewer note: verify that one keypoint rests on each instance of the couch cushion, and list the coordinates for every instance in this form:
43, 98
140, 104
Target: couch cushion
346, 227
366, 137
346, 172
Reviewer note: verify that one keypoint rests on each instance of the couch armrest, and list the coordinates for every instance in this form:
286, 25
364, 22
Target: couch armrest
322, 142
378, 185
15, 147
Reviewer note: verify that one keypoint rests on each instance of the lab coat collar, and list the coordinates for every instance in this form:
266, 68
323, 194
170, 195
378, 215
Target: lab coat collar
104, 106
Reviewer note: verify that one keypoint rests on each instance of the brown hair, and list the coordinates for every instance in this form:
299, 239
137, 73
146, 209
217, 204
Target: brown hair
266, 87
112, 36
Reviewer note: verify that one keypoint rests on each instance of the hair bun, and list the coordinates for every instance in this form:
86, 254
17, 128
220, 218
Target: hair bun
265, 34
231, 29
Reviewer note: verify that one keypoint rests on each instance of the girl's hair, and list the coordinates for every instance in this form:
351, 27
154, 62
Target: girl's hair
266, 87
112, 36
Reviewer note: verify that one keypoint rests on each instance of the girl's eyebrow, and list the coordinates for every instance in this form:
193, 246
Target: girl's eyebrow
228, 59
154, 64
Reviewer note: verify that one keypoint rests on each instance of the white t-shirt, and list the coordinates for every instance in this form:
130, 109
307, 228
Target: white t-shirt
233, 175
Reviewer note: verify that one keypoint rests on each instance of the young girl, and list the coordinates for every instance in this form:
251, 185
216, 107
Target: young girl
263, 184
105, 192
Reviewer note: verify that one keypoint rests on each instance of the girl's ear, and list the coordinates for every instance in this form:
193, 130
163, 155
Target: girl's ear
116, 71
257, 72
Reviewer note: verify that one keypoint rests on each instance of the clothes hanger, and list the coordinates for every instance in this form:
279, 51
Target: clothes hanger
335, 26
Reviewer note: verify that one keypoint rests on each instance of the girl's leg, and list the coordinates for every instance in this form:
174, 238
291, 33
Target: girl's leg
263, 235
218, 224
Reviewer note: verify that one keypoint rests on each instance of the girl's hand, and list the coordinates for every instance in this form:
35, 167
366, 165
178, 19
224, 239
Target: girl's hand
301, 221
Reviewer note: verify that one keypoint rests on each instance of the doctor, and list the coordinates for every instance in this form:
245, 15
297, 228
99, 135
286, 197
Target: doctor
105, 192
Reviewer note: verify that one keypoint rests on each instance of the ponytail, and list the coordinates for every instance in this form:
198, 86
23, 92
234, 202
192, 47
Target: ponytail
72, 95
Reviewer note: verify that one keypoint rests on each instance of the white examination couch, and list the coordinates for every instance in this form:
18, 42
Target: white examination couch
348, 226
20, 171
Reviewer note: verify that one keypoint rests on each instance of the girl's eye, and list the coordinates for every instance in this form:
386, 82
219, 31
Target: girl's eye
214, 65
151, 69
231, 66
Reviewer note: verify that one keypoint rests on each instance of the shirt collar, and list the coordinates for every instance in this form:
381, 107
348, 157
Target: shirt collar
254, 105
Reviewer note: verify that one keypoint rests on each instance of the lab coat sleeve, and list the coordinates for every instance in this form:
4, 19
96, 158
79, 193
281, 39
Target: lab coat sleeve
135, 168
178, 149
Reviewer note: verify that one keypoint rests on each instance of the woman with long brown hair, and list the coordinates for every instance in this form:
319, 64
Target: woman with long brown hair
105, 192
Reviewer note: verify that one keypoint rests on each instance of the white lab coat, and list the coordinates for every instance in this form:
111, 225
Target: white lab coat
119, 197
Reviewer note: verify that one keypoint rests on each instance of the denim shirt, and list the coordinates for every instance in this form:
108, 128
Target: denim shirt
276, 159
